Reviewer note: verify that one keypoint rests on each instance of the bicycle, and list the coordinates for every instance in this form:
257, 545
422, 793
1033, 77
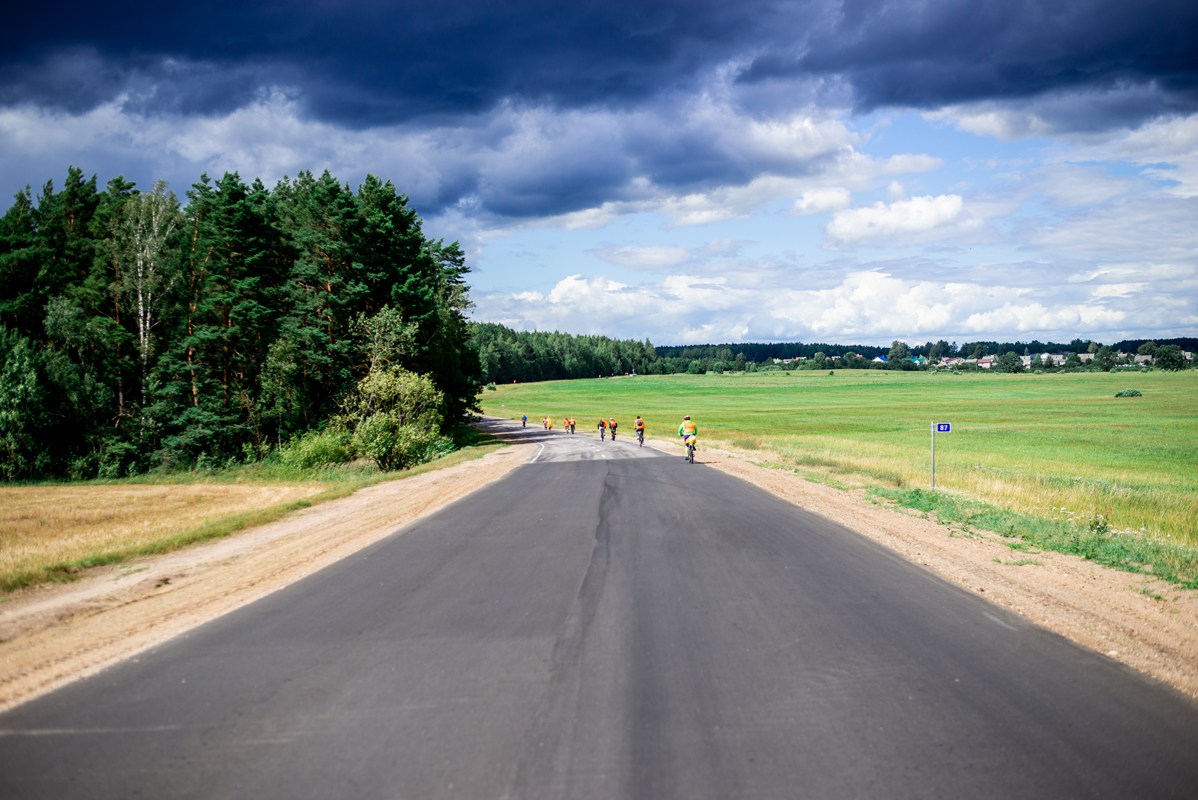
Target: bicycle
690, 448
640, 437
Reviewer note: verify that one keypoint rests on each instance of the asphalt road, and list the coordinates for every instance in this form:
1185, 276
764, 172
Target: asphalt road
611, 622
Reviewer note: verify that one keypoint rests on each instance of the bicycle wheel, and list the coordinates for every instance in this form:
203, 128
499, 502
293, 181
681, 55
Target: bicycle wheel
690, 453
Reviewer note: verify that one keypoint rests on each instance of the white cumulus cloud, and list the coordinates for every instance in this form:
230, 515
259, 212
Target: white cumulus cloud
862, 306
915, 215
813, 202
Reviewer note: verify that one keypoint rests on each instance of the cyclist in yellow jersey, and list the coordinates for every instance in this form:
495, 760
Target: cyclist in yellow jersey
688, 429
639, 427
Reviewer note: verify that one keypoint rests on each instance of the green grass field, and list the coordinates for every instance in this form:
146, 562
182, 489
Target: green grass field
1055, 446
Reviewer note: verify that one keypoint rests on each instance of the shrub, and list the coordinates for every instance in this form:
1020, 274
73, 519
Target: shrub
393, 444
1128, 393
394, 417
316, 448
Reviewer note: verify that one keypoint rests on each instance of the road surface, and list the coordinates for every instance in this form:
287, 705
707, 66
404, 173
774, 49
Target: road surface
611, 622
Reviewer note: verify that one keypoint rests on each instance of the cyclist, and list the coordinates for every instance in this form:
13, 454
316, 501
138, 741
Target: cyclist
640, 430
602, 428
611, 423
571, 424
524, 421
548, 423
688, 429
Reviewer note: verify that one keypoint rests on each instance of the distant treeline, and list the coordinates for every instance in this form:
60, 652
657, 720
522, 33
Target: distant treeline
508, 355
1132, 345
760, 353
138, 333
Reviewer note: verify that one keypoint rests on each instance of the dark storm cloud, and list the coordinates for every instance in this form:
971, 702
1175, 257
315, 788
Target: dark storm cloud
478, 99
376, 63
370, 64
926, 55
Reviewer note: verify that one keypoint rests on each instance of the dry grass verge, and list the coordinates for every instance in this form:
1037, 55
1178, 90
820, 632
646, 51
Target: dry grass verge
51, 635
53, 533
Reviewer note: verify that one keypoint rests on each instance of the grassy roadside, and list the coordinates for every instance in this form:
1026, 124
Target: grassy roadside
1092, 539
69, 528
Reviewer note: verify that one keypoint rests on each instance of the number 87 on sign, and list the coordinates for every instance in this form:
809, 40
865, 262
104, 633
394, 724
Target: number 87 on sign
944, 427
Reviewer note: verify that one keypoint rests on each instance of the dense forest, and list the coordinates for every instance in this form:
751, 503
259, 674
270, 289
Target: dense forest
140, 333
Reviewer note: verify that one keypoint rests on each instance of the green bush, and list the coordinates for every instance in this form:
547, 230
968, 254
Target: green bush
1128, 393
394, 445
317, 448
394, 419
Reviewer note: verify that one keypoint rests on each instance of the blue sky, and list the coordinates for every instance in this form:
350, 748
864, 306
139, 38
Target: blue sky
684, 171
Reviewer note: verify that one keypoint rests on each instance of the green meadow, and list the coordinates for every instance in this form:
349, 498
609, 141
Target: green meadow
1054, 447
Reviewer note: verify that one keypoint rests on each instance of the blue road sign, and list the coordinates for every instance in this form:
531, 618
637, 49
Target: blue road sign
944, 427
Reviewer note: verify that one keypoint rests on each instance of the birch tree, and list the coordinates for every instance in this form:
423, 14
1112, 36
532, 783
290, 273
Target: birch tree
142, 246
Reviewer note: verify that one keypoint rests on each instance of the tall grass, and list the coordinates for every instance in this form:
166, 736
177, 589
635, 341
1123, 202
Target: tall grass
1092, 539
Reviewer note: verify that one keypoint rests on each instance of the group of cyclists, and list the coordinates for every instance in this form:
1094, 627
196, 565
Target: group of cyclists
688, 431
567, 424
610, 425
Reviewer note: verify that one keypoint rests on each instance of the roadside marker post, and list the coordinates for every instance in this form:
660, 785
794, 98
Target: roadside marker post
938, 427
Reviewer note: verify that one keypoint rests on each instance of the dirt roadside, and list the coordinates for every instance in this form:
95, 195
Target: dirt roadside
1116, 613
53, 635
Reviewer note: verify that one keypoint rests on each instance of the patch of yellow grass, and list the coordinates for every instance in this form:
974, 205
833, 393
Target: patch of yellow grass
51, 532
1044, 489
48, 525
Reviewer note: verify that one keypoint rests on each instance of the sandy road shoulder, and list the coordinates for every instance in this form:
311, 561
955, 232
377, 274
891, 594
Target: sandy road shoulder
51, 636
1105, 609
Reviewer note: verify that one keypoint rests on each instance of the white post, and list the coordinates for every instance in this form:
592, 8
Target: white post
933, 454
